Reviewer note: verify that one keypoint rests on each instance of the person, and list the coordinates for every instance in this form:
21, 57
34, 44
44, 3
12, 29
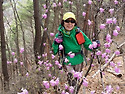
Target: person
72, 39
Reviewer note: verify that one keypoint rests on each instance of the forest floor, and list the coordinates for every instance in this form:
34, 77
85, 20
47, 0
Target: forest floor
95, 84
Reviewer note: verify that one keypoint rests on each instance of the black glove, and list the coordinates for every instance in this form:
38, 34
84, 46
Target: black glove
58, 40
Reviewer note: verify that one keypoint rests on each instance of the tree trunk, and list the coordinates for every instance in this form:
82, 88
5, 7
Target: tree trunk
37, 42
3, 51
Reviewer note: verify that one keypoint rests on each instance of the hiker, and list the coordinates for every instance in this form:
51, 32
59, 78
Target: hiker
71, 38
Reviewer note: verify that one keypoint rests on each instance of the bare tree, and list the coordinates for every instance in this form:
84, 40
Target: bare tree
3, 50
37, 41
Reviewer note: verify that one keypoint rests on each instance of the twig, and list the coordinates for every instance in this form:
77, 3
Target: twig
105, 65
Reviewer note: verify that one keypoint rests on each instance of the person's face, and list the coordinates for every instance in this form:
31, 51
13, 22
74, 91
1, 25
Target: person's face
69, 24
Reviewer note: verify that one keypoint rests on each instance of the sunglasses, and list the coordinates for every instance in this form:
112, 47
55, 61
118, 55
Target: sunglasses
72, 21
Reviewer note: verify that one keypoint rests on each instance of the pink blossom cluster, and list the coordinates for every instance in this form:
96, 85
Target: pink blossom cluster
24, 91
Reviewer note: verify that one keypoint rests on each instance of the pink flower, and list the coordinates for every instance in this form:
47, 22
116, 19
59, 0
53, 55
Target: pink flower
54, 5
27, 74
13, 53
60, 47
45, 29
52, 83
103, 55
94, 44
53, 56
57, 81
115, 33
44, 16
46, 84
108, 38
98, 53
111, 11
59, 4
77, 75
89, 22
102, 26
15, 60
71, 89
107, 50
66, 60
21, 63
70, 2
56, 62
66, 86
51, 34
117, 70
90, 2
63, 92
44, 44
115, 1
21, 50
109, 89
114, 20
65, 0
92, 92
117, 28
85, 83
101, 10
109, 21
107, 45
117, 52
112, 64
44, 6
90, 46
83, 14
117, 87
40, 62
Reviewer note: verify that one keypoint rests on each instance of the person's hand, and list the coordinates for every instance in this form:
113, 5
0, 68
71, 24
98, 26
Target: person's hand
58, 40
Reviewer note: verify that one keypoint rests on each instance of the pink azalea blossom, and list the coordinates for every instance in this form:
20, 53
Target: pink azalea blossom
38, 57
70, 2
71, 89
107, 50
85, 83
114, 20
98, 53
117, 52
117, 28
89, 22
66, 86
103, 55
72, 55
57, 81
52, 83
65, 0
77, 75
66, 60
109, 89
54, 5
117, 87
115, 1
44, 16
94, 44
102, 26
101, 10
89, 2
45, 29
44, 44
119, 63
51, 34
115, 33
44, 6
90, 46
13, 53
27, 74
92, 92
108, 38
83, 14
15, 60
109, 21
112, 64
40, 63
46, 84
63, 92
21, 63
49, 75
24, 91
21, 50
59, 4
53, 56
60, 47
117, 70
107, 45
111, 11
56, 62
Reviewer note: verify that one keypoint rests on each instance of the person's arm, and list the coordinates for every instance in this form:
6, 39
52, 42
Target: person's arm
55, 46
87, 42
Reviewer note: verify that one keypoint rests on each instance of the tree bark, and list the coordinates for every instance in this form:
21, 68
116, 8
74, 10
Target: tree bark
3, 50
37, 42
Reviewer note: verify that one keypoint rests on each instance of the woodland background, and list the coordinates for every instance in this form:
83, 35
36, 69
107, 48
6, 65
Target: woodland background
26, 31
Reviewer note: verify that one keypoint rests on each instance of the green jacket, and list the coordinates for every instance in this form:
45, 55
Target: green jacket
70, 45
